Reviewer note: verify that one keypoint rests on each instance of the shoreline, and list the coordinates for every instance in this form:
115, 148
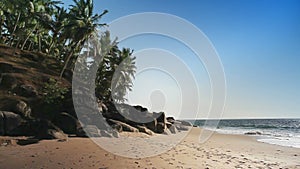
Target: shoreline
220, 151
256, 137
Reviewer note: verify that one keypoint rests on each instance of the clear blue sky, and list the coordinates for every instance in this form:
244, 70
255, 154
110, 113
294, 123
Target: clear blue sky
258, 42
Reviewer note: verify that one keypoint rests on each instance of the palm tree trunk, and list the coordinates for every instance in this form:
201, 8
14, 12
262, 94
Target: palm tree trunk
68, 59
27, 37
30, 44
15, 27
40, 44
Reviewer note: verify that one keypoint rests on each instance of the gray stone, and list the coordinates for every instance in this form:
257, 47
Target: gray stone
67, 123
171, 120
10, 122
152, 125
173, 129
55, 134
115, 134
168, 124
182, 127
2, 132
160, 127
144, 130
125, 127
105, 133
166, 132
23, 109
92, 131
186, 123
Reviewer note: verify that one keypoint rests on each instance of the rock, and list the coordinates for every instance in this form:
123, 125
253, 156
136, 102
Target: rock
168, 124
92, 131
2, 129
167, 132
161, 122
67, 123
26, 91
117, 127
101, 106
8, 81
171, 120
160, 127
125, 127
22, 109
186, 123
45, 129
173, 129
57, 134
10, 122
105, 133
161, 117
182, 127
81, 133
152, 125
28, 141
140, 108
115, 134
253, 133
144, 130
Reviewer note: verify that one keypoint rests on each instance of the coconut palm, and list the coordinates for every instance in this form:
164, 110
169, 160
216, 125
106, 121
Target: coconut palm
116, 71
82, 24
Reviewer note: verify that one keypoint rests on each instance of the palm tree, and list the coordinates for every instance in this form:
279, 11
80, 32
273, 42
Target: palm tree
116, 71
82, 24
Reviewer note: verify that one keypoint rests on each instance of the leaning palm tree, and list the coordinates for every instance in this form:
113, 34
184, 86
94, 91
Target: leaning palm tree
81, 25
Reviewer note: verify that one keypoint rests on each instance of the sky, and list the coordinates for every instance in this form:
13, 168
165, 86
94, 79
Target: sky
257, 41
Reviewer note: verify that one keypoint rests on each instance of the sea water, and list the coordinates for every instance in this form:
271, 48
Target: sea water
283, 132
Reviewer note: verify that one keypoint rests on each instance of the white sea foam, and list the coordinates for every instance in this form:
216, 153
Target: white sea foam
282, 141
277, 137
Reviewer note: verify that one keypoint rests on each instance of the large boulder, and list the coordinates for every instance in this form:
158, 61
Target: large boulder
173, 129
160, 127
171, 120
160, 117
44, 129
152, 125
9, 122
140, 108
67, 123
161, 122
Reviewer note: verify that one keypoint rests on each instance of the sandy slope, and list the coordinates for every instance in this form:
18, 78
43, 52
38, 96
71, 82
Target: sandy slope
220, 151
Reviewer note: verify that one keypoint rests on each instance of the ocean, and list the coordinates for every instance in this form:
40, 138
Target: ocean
283, 132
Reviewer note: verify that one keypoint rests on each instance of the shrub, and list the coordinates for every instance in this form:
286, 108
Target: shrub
54, 92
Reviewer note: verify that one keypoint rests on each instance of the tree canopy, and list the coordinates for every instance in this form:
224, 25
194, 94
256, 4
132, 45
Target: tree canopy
46, 26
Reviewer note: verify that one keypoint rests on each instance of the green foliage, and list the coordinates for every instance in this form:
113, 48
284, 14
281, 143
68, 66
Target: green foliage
115, 72
53, 92
46, 26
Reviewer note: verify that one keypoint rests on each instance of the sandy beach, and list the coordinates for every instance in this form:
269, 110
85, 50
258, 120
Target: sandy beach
220, 151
